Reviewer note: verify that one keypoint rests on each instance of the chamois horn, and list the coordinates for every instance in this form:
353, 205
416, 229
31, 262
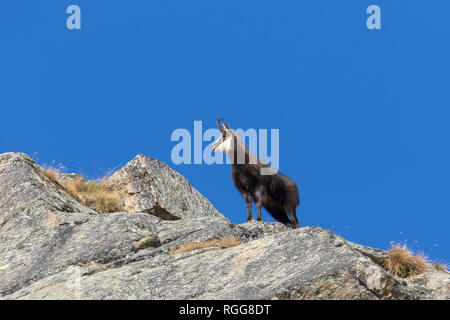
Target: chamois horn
223, 123
219, 126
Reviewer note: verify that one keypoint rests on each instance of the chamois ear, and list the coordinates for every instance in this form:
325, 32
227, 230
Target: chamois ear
224, 128
231, 132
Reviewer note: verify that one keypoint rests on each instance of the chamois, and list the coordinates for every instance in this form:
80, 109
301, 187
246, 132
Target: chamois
257, 181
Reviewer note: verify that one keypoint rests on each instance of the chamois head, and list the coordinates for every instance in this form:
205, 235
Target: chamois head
225, 142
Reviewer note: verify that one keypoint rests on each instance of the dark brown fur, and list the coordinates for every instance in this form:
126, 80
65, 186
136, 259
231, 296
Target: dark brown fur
277, 193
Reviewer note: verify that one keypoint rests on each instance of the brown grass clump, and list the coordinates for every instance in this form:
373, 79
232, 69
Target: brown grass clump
402, 262
221, 243
97, 195
51, 172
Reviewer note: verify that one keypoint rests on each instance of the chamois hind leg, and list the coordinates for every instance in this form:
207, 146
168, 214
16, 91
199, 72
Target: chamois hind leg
248, 203
293, 216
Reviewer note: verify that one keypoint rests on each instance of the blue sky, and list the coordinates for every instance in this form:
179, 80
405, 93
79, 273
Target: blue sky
363, 114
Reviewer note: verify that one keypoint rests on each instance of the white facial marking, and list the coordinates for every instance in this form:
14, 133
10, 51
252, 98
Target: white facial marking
221, 145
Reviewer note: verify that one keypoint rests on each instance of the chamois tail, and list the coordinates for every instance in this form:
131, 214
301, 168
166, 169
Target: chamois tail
279, 214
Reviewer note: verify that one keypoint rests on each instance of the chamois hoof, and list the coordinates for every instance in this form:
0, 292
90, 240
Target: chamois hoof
249, 219
260, 219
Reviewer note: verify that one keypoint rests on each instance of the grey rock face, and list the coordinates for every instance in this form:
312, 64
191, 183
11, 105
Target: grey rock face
307, 263
24, 188
260, 230
52, 247
432, 284
153, 187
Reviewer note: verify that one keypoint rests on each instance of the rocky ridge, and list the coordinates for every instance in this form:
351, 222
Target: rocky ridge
53, 247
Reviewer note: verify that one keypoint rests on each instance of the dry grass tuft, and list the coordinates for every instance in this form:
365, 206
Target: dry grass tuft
97, 195
221, 243
402, 262
52, 172
441, 266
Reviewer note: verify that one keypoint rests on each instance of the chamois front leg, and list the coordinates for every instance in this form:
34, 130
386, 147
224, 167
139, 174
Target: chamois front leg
258, 203
248, 203
258, 210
